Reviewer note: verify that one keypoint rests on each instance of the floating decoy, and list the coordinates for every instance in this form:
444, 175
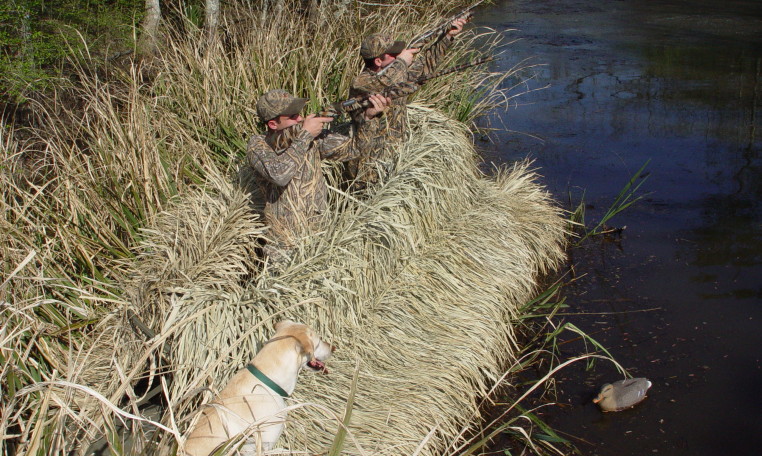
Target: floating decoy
622, 394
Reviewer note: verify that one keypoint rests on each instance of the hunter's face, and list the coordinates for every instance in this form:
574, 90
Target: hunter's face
283, 122
386, 59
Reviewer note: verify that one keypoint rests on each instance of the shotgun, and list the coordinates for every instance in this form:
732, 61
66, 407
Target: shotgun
421, 40
396, 91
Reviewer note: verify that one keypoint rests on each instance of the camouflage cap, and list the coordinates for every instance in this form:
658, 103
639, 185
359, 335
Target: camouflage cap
278, 102
377, 44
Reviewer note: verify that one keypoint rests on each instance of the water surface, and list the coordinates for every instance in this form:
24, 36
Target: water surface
678, 298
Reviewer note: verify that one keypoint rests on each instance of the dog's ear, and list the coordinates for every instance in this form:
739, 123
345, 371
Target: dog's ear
303, 337
282, 324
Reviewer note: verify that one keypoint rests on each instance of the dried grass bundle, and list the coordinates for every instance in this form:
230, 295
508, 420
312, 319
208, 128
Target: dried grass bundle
417, 284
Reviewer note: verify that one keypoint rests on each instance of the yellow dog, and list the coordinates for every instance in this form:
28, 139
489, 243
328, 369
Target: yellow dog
252, 403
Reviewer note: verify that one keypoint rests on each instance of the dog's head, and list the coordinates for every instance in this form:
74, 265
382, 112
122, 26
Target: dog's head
311, 347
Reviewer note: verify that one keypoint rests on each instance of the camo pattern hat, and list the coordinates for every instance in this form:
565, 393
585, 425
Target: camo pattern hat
278, 102
377, 44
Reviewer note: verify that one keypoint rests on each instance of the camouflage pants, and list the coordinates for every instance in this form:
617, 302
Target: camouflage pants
277, 255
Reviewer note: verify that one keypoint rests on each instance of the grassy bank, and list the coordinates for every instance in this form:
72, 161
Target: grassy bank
419, 286
119, 197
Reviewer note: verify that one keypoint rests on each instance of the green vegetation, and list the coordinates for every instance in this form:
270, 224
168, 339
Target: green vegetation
37, 37
628, 196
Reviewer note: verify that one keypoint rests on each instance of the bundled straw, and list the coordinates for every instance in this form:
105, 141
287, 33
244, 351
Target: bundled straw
417, 285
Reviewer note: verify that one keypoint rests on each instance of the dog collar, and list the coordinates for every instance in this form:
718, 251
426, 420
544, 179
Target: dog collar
266, 380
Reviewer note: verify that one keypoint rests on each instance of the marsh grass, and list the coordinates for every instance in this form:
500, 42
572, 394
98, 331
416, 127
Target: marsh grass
627, 196
528, 384
541, 323
437, 250
119, 200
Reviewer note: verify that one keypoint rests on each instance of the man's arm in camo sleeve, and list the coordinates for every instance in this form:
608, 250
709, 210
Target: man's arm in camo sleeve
369, 82
279, 168
389, 76
336, 147
427, 62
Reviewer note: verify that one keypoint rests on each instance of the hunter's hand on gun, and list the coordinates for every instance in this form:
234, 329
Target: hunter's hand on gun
451, 27
378, 104
314, 124
457, 26
408, 55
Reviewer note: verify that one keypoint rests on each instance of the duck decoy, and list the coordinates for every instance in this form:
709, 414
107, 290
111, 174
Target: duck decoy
622, 394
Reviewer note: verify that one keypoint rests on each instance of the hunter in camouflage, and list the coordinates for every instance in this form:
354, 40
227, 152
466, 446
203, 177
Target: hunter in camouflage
388, 64
287, 158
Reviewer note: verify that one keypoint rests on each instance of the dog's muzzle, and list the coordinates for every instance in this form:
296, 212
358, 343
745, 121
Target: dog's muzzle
317, 365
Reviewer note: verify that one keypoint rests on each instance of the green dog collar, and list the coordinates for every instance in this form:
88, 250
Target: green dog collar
266, 380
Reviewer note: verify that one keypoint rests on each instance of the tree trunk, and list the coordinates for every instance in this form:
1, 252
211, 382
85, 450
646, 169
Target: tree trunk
27, 48
148, 43
212, 18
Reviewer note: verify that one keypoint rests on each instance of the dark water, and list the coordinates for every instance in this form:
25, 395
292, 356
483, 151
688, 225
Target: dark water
677, 83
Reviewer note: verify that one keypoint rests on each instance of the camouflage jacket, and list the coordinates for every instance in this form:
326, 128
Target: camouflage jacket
289, 164
375, 138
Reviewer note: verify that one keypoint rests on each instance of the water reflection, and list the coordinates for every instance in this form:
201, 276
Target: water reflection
676, 83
